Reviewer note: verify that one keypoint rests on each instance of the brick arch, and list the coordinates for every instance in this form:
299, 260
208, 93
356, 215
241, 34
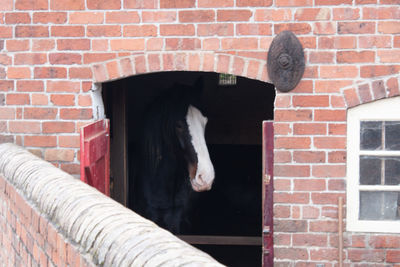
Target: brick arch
371, 90
179, 61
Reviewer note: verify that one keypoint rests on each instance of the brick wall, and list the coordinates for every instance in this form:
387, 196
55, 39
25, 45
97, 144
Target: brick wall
54, 51
48, 218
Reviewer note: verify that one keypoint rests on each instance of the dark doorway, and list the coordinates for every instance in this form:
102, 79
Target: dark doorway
226, 221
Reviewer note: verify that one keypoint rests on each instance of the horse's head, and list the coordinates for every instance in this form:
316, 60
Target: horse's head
191, 138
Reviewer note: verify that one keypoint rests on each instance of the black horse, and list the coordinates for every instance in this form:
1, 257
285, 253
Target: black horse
171, 158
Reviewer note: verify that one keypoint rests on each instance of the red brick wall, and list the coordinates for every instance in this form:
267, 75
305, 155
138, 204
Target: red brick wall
54, 51
28, 238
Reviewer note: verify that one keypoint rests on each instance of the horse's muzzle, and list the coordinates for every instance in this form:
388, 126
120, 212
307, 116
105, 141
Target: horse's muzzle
199, 185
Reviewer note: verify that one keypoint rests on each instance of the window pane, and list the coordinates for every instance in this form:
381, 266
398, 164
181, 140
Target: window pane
392, 171
370, 170
379, 206
370, 135
392, 135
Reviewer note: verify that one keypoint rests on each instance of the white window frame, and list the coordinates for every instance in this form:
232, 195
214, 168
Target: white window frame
381, 110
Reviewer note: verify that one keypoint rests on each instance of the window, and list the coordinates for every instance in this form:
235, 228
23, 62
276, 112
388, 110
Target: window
373, 167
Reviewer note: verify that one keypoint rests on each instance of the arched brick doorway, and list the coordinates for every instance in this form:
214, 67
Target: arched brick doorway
236, 145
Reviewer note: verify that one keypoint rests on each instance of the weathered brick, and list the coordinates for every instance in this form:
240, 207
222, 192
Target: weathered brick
6, 85
293, 115
324, 226
75, 113
103, 4
73, 44
370, 71
312, 240
65, 58
50, 72
7, 32
310, 212
186, 16
17, 45
127, 44
63, 100
31, 5
330, 142
177, 30
297, 28
86, 17
289, 3
351, 97
140, 4
24, 127
311, 101
292, 142
31, 31
393, 256
140, 30
309, 185
59, 155
30, 86
368, 255
50, 17
40, 141
67, 4
292, 170
355, 57
239, 43
389, 27
177, 3
291, 253
295, 226
122, 17
17, 99
43, 45
58, 127
40, 99
339, 42
234, 15
30, 59
40, 113
321, 57
356, 27
273, 15
104, 31
329, 171
68, 31
342, 71
17, 18
329, 115
80, 73
18, 73
309, 156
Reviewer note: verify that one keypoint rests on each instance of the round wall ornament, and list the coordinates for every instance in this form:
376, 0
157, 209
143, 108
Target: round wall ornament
285, 63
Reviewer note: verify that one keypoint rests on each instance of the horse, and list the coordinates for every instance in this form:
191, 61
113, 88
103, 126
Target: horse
172, 158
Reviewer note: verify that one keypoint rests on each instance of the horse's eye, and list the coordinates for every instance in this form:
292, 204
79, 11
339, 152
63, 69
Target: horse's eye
180, 126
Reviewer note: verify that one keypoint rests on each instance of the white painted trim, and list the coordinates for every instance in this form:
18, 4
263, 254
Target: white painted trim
386, 109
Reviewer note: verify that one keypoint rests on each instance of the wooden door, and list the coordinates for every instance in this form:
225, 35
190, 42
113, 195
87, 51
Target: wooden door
267, 194
95, 155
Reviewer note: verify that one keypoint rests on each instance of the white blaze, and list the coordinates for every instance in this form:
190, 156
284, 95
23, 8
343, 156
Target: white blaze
205, 170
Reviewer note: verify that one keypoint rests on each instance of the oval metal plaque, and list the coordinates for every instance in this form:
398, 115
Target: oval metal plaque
285, 61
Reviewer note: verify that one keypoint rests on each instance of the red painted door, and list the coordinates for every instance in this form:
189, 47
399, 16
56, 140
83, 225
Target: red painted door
95, 155
268, 189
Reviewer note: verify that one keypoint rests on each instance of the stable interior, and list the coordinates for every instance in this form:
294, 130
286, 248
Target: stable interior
227, 220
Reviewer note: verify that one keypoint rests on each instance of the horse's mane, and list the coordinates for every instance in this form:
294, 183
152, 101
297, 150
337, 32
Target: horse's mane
159, 126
